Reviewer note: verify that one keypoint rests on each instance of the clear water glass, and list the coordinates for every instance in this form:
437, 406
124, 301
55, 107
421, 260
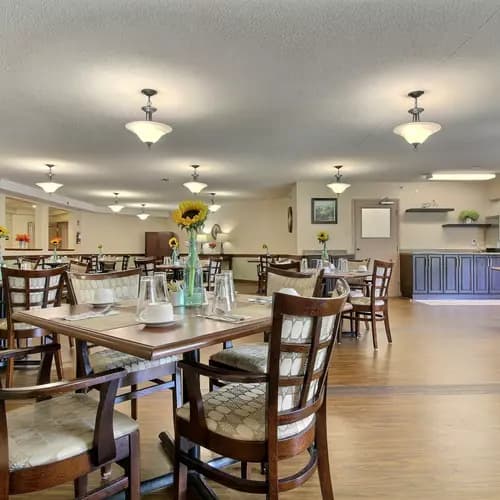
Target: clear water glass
230, 284
222, 298
160, 283
152, 296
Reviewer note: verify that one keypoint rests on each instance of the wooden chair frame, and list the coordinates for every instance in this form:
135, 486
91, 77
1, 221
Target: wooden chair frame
378, 291
12, 335
144, 265
106, 450
125, 260
214, 268
272, 450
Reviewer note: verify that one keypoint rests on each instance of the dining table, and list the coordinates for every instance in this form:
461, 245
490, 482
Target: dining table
191, 331
176, 269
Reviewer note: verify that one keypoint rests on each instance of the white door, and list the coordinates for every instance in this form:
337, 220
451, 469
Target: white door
376, 234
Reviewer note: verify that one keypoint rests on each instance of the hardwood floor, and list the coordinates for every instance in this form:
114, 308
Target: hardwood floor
418, 419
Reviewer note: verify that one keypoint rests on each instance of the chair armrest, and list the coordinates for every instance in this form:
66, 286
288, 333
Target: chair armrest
225, 374
55, 388
20, 353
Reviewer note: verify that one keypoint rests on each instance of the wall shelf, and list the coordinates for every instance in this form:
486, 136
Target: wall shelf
430, 210
466, 225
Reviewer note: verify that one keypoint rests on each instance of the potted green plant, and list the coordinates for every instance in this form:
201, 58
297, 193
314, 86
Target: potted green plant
468, 216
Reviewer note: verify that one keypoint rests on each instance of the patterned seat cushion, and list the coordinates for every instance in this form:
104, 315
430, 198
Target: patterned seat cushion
107, 359
237, 411
124, 287
304, 286
365, 301
17, 326
56, 429
248, 357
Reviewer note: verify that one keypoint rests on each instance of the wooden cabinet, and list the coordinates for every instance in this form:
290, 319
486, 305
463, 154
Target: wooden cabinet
435, 274
451, 265
157, 244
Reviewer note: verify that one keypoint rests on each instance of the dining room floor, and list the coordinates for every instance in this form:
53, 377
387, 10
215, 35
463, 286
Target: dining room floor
418, 419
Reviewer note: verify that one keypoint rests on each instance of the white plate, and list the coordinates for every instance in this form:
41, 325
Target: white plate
158, 324
100, 305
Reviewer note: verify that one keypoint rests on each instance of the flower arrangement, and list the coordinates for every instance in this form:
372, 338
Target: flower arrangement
173, 242
472, 215
212, 244
23, 237
56, 241
323, 237
4, 233
191, 215
266, 248
99, 247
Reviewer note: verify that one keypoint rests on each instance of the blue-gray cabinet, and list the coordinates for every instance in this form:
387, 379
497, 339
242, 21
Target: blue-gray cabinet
450, 275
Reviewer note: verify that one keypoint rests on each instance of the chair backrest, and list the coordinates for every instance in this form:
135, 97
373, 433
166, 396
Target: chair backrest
125, 260
293, 265
214, 268
306, 284
125, 285
107, 266
263, 264
301, 346
31, 289
29, 263
353, 264
146, 264
75, 266
92, 261
381, 278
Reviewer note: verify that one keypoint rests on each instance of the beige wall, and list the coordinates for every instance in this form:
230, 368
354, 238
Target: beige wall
417, 231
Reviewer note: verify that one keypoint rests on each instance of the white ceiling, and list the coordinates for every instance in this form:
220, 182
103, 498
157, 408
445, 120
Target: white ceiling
260, 93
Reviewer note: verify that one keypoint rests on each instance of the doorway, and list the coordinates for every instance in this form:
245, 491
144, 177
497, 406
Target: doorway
376, 234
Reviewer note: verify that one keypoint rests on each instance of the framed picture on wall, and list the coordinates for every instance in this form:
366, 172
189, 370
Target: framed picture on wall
323, 210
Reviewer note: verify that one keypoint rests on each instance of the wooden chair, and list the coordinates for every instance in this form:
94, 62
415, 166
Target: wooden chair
125, 285
294, 265
266, 417
125, 260
61, 439
75, 266
107, 266
214, 268
358, 283
253, 357
92, 262
33, 262
374, 307
23, 290
262, 266
147, 265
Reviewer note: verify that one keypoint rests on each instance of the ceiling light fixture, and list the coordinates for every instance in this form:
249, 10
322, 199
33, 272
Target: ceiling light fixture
143, 215
115, 206
338, 187
416, 132
476, 176
49, 187
147, 130
213, 207
194, 186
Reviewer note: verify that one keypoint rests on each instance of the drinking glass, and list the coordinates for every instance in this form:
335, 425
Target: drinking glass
160, 283
222, 298
230, 284
152, 294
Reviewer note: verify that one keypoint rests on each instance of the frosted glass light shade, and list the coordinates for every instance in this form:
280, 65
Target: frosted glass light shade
416, 133
338, 187
143, 216
195, 187
214, 207
115, 207
49, 187
148, 131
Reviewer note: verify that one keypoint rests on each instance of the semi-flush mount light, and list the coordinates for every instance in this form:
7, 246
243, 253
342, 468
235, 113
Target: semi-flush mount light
194, 186
338, 187
143, 215
213, 207
49, 187
147, 130
416, 132
115, 206
475, 176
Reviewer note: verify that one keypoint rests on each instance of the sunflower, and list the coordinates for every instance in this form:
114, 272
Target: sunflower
173, 242
55, 241
191, 214
4, 233
323, 236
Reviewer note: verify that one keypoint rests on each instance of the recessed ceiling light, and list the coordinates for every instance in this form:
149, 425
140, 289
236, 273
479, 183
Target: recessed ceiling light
465, 176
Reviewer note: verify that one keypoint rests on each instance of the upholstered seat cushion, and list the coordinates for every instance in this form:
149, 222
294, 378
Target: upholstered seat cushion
237, 411
107, 359
365, 301
248, 357
56, 429
17, 326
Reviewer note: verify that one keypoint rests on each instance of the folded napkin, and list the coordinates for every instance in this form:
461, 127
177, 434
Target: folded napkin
228, 318
261, 300
89, 314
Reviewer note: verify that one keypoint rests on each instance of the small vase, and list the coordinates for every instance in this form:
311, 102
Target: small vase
174, 257
324, 255
468, 220
193, 275
54, 254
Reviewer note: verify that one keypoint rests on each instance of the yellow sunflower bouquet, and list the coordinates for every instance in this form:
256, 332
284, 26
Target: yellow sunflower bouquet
191, 215
4, 233
173, 242
323, 237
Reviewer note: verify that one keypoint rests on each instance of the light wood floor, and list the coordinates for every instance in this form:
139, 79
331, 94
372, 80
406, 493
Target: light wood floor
416, 420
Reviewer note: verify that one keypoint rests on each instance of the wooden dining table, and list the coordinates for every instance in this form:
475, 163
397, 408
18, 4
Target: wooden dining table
190, 333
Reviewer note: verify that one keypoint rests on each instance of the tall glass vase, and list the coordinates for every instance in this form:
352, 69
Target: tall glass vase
324, 255
174, 256
54, 254
193, 275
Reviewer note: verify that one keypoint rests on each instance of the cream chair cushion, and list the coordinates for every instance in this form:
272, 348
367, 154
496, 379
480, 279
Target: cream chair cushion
107, 359
56, 429
304, 286
248, 357
238, 411
124, 287
365, 301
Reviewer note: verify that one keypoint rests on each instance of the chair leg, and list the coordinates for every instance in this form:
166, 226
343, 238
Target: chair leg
71, 342
58, 358
180, 473
106, 472
133, 403
374, 330
133, 469
387, 327
272, 480
9, 376
325, 480
244, 470
356, 323
80, 485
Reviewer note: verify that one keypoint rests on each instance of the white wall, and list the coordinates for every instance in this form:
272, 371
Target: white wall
417, 231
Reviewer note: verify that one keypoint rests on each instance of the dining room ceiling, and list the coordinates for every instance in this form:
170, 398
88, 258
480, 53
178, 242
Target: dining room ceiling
260, 93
